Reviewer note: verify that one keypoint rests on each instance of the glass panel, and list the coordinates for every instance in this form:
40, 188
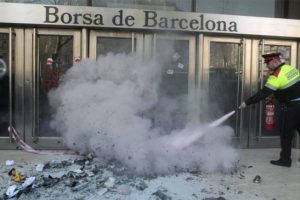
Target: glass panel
265, 8
178, 5
55, 58
225, 72
173, 56
4, 84
114, 45
286, 57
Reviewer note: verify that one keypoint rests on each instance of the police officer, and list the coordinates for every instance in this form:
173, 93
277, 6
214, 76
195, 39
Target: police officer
284, 83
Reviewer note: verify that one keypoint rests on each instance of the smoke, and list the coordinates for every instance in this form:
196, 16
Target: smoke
115, 108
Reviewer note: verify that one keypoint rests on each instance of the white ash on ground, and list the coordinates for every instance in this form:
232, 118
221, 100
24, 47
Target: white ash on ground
86, 178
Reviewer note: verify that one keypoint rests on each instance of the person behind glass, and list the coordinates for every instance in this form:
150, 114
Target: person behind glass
284, 82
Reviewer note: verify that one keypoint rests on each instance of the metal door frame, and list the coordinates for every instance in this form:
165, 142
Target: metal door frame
255, 140
242, 140
31, 101
110, 34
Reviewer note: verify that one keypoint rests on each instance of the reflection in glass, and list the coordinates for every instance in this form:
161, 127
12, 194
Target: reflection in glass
225, 80
286, 57
173, 57
55, 58
114, 45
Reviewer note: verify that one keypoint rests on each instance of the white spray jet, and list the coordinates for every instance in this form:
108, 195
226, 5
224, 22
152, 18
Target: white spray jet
182, 141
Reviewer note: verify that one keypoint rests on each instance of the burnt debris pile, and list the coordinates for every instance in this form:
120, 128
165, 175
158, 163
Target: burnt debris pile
86, 177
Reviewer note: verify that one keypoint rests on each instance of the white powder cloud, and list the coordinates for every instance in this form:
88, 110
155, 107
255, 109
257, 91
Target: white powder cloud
113, 108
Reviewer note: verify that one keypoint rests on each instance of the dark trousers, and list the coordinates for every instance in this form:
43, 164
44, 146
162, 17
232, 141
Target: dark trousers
289, 122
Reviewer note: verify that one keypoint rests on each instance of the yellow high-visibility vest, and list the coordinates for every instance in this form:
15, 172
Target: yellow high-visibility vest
284, 77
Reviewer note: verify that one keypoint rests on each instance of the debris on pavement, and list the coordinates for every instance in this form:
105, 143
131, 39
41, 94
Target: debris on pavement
218, 198
10, 162
140, 185
13, 190
86, 177
39, 167
162, 195
15, 175
257, 179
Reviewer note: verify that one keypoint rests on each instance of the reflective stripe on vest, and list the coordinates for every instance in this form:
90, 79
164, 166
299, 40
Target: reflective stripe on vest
287, 77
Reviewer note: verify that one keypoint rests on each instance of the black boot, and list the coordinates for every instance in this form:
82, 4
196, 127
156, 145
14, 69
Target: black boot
281, 162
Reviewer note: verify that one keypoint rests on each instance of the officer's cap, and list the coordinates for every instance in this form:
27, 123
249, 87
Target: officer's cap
271, 56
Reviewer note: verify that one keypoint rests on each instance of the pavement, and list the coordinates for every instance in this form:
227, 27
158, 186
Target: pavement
276, 183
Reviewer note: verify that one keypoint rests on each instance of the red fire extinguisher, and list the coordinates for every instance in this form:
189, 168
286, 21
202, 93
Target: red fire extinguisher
270, 115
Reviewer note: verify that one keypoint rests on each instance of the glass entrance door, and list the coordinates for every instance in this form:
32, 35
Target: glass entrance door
224, 79
7, 57
260, 135
175, 55
55, 52
4, 82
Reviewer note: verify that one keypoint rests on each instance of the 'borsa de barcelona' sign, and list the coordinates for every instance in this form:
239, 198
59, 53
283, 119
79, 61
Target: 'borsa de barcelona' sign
151, 19
38, 15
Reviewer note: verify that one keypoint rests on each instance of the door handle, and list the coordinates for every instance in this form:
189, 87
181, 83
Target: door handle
238, 72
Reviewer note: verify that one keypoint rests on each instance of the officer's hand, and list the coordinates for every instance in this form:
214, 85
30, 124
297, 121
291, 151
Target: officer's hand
243, 105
